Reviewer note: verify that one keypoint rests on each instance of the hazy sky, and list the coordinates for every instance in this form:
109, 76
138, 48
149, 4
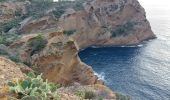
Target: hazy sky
156, 3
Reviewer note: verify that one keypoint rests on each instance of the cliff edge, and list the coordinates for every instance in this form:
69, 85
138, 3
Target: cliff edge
108, 23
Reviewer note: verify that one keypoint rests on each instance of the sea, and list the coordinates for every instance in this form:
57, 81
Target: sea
141, 71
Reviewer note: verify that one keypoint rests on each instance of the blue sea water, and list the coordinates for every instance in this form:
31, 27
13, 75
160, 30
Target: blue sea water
141, 71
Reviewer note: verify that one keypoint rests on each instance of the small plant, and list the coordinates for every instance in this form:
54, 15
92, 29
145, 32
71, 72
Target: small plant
58, 12
89, 95
37, 44
100, 98
34, 88
2, 39
14, 58
123, 29
120, 96
85, 94
10, 24
78, 5
38, 8
2, 0
70, 32
7, 39
79, 94
3, 51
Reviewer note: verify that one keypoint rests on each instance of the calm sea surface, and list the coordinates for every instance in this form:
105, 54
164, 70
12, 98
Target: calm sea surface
142, 71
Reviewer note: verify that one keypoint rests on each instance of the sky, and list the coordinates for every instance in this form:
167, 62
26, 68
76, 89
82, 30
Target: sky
155, 3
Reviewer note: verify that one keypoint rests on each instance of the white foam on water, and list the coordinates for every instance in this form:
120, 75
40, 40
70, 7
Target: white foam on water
101, 76
132, 46
95, 47
140, 45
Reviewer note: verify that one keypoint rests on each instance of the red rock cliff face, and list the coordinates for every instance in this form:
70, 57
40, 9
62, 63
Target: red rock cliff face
108, 22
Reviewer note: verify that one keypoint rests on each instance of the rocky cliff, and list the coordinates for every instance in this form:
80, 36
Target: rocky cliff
29, 35
107, 23
58, 60
97, 23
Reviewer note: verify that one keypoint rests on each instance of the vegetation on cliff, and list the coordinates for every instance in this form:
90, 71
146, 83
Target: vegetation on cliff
123, 29
37, 44
34, 88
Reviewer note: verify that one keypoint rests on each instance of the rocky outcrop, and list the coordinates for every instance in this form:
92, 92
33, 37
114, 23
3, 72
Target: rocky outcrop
8, 10
108, 22
30, 25
58, 61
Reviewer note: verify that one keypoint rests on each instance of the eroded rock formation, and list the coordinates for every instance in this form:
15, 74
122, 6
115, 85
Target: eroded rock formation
58, 61
108, 22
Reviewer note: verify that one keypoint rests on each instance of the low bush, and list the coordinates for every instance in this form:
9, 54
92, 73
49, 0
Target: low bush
58, 12
78, 5
14, 58
120, 96
2, 0
7, 39
37, 44
70, 32
85, 94
123, 29
38, 8
3, 52
10, 24
89, 95
34, 88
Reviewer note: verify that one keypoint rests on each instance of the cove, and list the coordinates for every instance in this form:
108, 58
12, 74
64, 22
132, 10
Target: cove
143, 71
131, 70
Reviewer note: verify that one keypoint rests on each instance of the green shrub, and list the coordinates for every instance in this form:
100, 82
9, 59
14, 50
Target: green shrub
37, 44
2, 0
70, 32
78, 5
3, 52
28, 63
58, 12
7, 39
10, 24
79, 94
85, 94
14, 58
38, 8
120, 96
2, 39
18, 12
123, 29
34, 88
100, 98
89, 95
